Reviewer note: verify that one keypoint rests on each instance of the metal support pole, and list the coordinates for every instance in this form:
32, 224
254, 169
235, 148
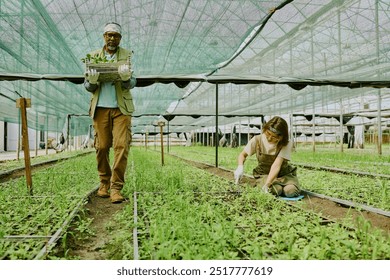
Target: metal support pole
341, 128
314, 103
46, 134
216, 125
379, 76
379, 123
67, 133
314, 129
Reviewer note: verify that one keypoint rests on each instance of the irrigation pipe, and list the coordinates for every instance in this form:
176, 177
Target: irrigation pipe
135, 235
349, 203
344, 171
52, 161
51, 243
44, 196
24, 237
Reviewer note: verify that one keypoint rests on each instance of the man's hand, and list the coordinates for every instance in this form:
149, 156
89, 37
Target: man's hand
92, 76
239, 173
124, 72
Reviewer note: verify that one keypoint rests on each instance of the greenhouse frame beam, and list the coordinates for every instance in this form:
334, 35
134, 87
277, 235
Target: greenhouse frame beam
180, 80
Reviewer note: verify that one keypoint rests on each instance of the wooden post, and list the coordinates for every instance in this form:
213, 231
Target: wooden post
24, 103
161, 124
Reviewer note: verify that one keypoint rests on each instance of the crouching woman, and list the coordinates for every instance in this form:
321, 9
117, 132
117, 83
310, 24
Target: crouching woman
273, 152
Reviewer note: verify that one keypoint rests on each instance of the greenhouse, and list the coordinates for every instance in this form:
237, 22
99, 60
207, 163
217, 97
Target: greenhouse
211, 76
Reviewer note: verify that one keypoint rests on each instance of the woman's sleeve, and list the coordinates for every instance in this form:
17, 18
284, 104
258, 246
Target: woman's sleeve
250, 148
285, 152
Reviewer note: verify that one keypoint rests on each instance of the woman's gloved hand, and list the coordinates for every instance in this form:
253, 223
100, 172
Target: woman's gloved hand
92, 76
124, 72
238, 173
265, 188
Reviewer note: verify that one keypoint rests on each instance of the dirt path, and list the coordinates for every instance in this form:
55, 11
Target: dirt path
101, 211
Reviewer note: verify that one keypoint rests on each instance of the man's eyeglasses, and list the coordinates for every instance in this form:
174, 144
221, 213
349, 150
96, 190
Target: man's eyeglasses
116, 36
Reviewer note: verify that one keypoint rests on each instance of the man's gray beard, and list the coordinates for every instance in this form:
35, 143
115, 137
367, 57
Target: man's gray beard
111, 48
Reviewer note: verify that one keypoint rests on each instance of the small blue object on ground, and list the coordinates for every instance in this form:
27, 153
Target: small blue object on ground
292, 198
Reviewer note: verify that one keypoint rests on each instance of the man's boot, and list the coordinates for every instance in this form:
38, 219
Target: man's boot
116, 196
103, 190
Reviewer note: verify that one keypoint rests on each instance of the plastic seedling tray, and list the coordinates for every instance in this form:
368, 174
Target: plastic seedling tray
108, 71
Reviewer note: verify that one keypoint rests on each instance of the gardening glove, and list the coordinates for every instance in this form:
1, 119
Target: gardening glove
124, 72
92, 76
239, 173
265, 188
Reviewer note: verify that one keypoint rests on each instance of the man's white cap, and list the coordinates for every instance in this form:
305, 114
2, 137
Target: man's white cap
112, 27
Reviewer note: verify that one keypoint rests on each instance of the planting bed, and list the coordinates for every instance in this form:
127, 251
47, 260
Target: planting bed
15, 168
30, 225
370, 190
327, 208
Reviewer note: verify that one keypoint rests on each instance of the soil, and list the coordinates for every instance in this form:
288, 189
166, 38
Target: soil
101, 211
92, 247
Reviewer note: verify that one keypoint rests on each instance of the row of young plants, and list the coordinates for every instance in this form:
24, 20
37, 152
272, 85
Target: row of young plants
371, 191
362, 160
27, 222
7, 165
351, 159
187, 213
